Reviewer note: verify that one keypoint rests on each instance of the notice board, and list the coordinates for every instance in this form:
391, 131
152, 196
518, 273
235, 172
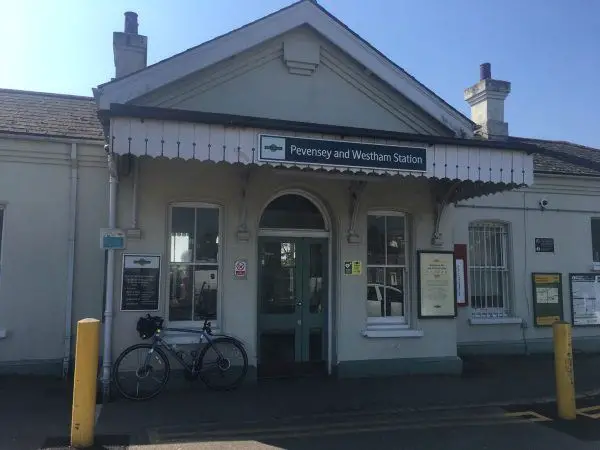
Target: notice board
436, 284
140, 282
585, 298
547, 298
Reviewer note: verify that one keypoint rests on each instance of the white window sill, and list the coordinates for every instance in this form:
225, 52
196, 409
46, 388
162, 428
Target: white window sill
496, 321
392, 333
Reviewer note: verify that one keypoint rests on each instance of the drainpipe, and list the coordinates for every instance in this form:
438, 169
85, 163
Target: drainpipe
110, 276
71, 261
134, 199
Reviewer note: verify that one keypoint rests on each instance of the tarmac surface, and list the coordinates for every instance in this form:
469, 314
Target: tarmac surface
493, 428
498, 403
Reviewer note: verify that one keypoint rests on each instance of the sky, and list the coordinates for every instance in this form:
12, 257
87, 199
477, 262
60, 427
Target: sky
548, 49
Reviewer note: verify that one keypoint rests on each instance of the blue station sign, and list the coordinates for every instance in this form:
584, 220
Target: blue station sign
300, 151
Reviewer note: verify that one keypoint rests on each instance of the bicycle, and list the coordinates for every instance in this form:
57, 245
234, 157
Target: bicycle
200, 366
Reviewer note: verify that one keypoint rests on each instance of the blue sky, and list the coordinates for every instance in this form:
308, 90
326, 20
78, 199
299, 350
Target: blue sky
548, 49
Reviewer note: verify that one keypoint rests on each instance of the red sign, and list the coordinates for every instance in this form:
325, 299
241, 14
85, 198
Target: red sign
462, 272
240, 269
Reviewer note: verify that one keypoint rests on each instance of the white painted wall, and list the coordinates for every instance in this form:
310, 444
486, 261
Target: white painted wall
165, 181
35, 190
92, 214
576, 202
339, 92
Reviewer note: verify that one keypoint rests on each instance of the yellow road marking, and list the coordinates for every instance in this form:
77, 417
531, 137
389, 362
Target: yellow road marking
530, 416
307, 430
586, 412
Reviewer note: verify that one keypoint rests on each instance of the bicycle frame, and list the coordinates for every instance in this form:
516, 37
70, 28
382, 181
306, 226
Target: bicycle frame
159, 341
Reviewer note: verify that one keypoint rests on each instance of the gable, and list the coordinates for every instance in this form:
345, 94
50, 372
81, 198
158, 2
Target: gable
304, 12
298, 76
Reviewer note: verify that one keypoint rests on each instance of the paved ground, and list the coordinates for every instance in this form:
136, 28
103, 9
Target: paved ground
493, 428
402, 412
472, 428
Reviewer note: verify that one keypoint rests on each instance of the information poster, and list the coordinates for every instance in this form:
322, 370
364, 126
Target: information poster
547, 298
437, 284
140, 282
585, 298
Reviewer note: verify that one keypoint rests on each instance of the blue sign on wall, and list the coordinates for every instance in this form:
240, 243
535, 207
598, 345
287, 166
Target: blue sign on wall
112, 239
341, 153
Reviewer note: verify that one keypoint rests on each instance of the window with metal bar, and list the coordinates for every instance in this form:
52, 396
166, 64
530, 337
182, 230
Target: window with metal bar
596, 239
1, 233
193, 262
489, 272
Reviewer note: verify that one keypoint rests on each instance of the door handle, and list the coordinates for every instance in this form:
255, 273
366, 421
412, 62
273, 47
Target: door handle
299, 303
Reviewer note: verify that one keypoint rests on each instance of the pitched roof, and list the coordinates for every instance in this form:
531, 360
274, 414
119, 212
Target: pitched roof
562, 157
302, 12
51, 115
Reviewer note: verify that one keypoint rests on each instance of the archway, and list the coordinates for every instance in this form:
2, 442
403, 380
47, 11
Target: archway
293, 287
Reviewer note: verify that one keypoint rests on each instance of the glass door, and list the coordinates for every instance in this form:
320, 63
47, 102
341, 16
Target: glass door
292, 301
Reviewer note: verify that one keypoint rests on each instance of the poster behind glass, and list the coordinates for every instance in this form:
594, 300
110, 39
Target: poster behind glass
437, 284
585, 298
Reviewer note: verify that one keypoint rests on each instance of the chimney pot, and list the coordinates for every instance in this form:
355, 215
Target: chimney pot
131, 23
130, 49
486, 98
485, 71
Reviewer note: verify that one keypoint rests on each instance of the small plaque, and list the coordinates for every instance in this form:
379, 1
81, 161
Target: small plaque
240, 269
352, 267
347, 267
544, 245
112, 239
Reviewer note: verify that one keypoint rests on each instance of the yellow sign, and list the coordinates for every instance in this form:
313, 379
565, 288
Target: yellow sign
547, 320
546, 279
356, 268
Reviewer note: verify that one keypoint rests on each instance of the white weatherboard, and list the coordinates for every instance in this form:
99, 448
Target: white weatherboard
240, 145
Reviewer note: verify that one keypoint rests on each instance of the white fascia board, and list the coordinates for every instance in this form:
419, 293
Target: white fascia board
245, 38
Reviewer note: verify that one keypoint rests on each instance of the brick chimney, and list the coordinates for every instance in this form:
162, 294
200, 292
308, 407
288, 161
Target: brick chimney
129, 47
487, 104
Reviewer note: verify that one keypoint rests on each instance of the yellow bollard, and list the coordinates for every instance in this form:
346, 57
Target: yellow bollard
563, 367
83, 417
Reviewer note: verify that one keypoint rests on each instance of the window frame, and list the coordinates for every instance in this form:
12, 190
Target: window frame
215, 323
2, 228
507, 311
397, 321
592, 219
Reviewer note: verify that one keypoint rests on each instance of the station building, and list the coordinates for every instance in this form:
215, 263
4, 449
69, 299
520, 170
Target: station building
307, 195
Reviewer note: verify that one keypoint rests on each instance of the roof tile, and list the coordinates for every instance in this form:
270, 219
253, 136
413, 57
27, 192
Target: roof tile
52, 115
562, 157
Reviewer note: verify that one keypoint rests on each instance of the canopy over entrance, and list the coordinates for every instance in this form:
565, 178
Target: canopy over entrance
482, 166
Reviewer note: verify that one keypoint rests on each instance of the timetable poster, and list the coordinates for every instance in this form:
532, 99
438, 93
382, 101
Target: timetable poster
585, 298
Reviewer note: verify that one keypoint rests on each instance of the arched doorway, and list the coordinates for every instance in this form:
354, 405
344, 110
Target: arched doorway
293, 287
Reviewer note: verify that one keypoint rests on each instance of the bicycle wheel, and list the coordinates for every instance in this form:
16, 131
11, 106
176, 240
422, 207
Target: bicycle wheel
223, 364
138, 379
